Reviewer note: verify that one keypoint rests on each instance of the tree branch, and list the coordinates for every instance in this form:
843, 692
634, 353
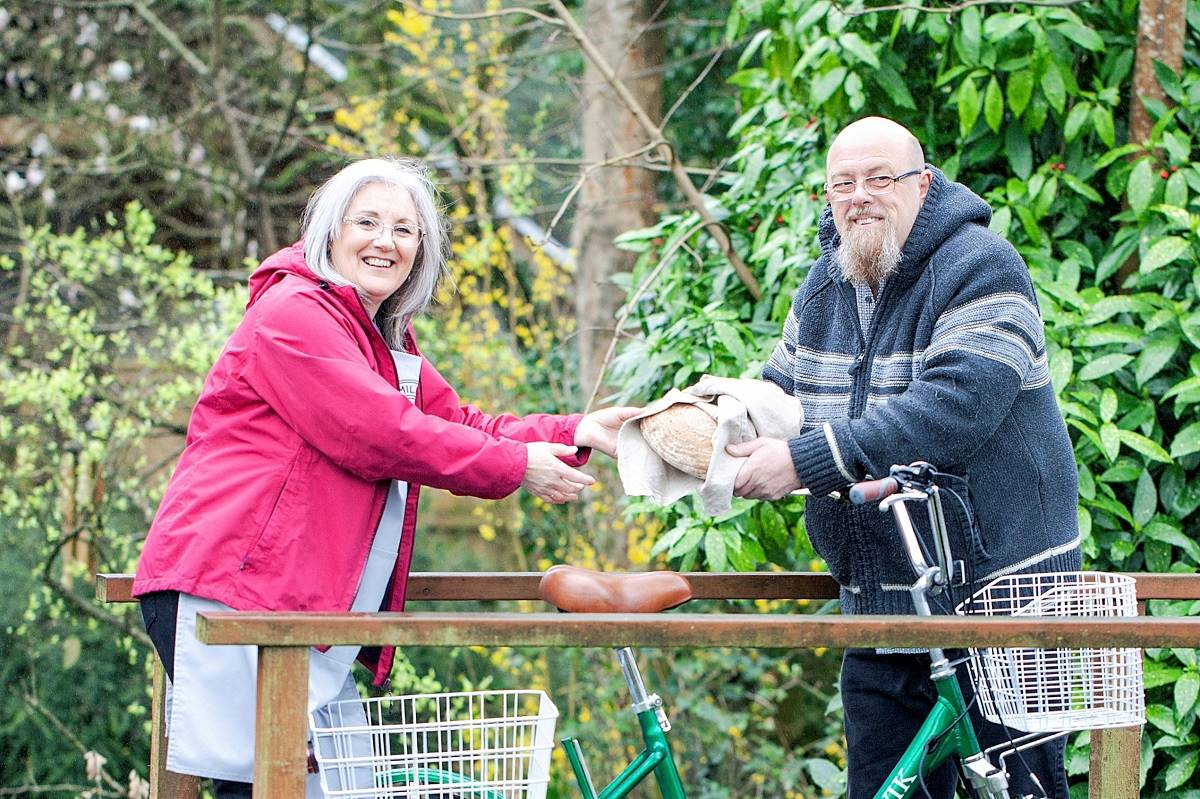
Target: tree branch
956, 7
528, 12
587, 172
654, 133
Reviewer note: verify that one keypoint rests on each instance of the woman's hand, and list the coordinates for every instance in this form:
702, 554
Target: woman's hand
599, 429
549, 478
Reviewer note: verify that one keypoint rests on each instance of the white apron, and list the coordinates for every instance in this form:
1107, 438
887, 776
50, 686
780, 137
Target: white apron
211, 703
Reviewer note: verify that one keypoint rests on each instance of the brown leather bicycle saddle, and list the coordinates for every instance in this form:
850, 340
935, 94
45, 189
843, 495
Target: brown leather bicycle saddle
578, 590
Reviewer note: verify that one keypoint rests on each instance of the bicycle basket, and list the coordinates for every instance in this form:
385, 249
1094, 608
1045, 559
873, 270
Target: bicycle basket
468, 745
1056, 690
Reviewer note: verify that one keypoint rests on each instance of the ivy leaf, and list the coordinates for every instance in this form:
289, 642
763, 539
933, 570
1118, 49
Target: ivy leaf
1140, 189
1163, 252
1146, 446
1186, 441
1186, 691
1104, 365
1019, 90
993, 105
1054, 88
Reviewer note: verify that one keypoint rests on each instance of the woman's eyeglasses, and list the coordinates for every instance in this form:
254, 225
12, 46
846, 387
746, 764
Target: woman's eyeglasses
403, 233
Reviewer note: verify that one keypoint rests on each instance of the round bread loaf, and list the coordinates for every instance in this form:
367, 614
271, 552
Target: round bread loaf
682, 436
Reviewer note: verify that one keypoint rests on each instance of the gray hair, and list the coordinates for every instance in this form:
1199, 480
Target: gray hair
322, 224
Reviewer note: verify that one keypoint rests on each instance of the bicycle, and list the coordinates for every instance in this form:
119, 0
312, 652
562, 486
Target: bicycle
1044, 693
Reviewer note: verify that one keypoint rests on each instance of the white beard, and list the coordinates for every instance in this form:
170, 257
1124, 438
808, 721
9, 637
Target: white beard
868, 256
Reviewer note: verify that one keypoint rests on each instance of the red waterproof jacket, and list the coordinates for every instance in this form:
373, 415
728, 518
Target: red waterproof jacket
293, 444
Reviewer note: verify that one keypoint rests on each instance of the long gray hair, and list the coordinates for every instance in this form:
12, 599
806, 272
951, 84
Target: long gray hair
322, 224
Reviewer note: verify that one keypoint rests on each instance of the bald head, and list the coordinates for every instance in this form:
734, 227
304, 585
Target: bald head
880, 134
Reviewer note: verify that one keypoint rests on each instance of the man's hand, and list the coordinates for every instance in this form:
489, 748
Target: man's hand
768, 472
549, 478
598, 429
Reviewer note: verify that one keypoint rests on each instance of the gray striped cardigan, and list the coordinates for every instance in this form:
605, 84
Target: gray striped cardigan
952, 371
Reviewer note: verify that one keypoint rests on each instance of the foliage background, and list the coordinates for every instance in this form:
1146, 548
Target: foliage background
107, 333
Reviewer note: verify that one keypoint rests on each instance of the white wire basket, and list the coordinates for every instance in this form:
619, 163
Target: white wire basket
1058, 690
467, 745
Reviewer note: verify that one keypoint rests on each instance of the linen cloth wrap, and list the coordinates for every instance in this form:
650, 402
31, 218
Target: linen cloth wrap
744, 409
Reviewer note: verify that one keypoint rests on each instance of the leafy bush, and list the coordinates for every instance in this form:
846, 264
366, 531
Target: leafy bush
1025, 106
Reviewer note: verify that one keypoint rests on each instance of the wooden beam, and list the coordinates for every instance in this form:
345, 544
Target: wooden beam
1114, 757
483, 586
281, 723
688, 630
164, 784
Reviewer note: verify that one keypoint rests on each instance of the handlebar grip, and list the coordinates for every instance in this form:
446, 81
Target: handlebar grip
873, 490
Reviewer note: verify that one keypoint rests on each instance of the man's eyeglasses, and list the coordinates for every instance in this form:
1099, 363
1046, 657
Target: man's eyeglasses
404, 234
842, 190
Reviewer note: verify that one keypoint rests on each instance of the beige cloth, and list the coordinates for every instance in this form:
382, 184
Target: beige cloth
743, 408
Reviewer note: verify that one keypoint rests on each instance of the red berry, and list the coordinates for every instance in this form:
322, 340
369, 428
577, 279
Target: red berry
1174, 168
1164, 174
779, 219
1061, 166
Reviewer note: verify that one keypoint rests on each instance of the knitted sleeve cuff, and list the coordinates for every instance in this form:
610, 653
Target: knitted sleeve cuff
816, 463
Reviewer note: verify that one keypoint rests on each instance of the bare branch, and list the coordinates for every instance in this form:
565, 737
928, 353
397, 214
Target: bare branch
654, 132
176, 43
528, 12
623, 314
712, 62
956, 7
587, 173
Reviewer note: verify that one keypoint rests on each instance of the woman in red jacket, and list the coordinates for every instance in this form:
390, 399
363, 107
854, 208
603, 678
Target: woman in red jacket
319, 422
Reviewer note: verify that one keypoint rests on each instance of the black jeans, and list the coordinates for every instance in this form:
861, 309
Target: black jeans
160, 610
886, 698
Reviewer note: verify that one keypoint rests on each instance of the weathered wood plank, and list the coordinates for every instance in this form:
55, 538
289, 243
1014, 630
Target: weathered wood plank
164, 784
281, 725
687, 630
478, 586
1114, 763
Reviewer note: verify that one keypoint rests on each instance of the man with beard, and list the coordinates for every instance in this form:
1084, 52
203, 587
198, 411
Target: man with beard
916, 336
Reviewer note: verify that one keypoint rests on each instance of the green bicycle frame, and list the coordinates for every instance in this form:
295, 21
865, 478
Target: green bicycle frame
947, 731
655, 758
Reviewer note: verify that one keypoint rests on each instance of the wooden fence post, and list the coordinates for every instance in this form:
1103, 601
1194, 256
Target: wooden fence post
281, 726
1114, 764
164, 784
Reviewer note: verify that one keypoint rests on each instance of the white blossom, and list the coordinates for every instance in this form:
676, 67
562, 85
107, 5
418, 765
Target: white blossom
141, 123
34, 175
94, 762
4, 17
41, 145
13, 182
120, 71
96, 91
76, 93
49, 197
112, 113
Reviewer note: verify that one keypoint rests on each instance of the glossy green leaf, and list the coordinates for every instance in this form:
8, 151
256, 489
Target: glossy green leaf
1163, 252
714, 550
1078, 115
968, 106
1102, 121
827, 83
1157, 353
993, 105
1146, 446
1140, 189
1186, 441
1181, 770
1053, 87
1145, 499
1019, 91
1110, 438
854, 44
1104, 365
1108, 404
1186, 691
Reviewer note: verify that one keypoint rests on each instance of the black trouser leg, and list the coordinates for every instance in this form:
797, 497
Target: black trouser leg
160, 610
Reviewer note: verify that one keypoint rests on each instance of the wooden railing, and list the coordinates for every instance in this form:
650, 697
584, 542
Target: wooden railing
284, 638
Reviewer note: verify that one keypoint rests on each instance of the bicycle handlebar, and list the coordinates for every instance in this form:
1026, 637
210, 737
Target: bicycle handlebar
873, 490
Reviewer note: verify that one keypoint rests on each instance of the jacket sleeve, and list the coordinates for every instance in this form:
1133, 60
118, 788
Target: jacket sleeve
987, 345
439, 397
306, 365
